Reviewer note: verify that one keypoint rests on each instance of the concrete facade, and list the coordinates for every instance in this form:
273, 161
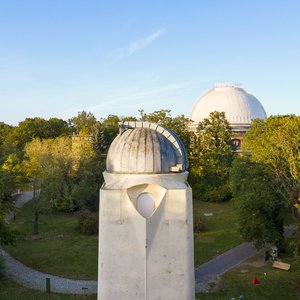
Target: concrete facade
146, 226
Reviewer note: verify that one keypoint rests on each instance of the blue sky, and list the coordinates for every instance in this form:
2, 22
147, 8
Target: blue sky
59, 57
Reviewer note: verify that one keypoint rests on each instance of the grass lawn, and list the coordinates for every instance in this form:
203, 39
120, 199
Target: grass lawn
10, 290
220, 230
276, 285
59, 249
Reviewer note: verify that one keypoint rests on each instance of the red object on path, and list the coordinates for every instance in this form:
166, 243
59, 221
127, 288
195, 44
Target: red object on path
255, 281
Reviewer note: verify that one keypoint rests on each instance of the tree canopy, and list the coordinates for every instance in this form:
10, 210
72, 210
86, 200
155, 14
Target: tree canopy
275, 143
6, 204
259, 204
211, 157
177, 124
83, 123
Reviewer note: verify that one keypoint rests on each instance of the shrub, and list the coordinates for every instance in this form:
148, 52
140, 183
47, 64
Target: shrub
88, 222
211, 192
86, 196
198, 226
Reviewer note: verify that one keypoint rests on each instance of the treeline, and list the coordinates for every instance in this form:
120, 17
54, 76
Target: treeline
65, 160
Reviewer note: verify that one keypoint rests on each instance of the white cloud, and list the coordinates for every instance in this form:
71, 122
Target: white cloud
139, 44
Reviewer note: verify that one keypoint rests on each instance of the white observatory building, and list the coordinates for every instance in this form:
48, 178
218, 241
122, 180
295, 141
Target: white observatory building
146, 217
239, 106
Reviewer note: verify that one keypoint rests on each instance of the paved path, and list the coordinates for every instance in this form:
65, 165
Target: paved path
37, 280
206, 273
23, 198
213, 269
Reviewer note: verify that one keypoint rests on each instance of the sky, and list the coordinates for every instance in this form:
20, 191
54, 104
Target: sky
60, 57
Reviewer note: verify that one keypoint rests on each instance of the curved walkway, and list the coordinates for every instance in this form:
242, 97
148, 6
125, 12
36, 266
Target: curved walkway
204, 275
35, 279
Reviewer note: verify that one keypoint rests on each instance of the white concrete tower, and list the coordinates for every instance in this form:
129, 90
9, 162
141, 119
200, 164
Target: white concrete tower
146, 218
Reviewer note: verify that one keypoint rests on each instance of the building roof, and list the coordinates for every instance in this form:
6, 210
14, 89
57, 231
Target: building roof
239, 106
143, 147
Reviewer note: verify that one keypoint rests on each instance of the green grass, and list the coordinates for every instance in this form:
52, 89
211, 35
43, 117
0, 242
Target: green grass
277, 284
59, 249
221, 230
60, 242
13, 291
79, 256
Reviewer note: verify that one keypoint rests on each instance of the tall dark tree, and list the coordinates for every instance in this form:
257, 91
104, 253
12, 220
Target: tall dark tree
6, 204
108, 130
5, 130
259, 204
211, 157
55, 127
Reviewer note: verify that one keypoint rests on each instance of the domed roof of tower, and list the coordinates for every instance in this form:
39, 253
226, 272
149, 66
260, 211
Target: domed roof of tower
143, 147
239, 106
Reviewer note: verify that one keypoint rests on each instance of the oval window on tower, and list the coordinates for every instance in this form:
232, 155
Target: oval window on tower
145, 205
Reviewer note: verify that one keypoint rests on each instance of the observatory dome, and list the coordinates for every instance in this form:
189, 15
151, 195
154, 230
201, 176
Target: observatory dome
143, 147
239, 106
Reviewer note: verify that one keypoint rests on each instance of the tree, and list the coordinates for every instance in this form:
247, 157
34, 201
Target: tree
179, 124
5, 130
259, 204
69, 176
275, 142
48, 165
35, 163
16, 138
6, 205
105, 132
83, 123
211, 157
55, 127
13, 165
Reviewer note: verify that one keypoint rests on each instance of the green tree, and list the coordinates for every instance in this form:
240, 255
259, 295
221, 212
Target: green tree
55, 127
6, 205
211, 157
34, 165
179, 124
49, 164
5, 130
69, 174
259, 204
275, 142
31, 128
83, 123
108, 130
13, 165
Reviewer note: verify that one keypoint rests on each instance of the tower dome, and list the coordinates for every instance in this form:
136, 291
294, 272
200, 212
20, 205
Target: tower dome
143, 147
239, 106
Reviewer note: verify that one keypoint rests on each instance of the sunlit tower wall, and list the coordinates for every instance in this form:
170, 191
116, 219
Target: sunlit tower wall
146, 217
